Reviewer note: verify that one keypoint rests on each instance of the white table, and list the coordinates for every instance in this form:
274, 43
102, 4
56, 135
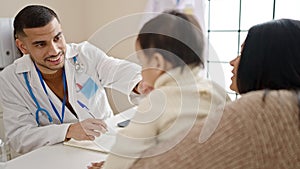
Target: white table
60, 156
56, 156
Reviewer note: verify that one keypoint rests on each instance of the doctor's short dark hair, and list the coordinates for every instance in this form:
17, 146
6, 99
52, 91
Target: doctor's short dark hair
271, 57
32, 16
176, 36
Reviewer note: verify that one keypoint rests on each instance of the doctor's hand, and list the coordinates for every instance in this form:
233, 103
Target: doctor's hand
86, 130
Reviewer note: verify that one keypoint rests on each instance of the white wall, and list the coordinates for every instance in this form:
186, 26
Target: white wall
100, 13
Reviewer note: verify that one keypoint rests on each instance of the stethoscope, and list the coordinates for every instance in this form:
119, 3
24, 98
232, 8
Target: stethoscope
39, 108
79, 67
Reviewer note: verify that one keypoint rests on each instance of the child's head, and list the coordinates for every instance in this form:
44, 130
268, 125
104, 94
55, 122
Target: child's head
170, 40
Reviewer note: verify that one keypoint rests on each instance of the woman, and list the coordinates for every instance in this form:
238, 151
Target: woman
261, 129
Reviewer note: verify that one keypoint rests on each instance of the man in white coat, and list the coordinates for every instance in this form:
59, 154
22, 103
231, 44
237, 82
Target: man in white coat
55, 91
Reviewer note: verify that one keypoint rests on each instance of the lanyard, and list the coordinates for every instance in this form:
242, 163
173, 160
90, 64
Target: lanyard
61, 118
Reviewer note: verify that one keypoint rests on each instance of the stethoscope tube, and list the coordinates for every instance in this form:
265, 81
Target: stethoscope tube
78, 67
39, 108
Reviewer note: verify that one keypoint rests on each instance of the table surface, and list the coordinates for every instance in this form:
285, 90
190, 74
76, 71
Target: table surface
60, 156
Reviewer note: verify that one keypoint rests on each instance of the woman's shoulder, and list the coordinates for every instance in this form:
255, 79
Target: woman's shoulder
263, 103
265, 96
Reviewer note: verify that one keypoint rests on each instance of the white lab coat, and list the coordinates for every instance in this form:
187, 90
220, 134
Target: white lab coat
22, 131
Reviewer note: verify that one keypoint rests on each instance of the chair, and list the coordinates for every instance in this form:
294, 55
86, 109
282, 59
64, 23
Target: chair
8, 53
8, 49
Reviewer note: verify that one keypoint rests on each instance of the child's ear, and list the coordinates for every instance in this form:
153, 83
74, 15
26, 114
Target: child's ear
160, 62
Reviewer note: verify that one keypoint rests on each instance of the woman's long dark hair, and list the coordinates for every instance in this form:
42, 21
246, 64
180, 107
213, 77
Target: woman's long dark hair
271, 58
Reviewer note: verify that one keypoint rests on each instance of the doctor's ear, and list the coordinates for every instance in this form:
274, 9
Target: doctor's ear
21, 46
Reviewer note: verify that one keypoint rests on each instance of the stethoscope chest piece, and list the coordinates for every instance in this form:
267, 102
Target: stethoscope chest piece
79, 67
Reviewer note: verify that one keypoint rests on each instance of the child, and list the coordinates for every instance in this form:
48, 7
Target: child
170, 49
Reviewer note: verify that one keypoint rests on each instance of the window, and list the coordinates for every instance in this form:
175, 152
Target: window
228, 22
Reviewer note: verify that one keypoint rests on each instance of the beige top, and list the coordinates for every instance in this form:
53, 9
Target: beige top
252, 134
180, 97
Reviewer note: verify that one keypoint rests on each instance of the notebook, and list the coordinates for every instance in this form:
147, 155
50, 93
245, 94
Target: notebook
102, 144
105, 142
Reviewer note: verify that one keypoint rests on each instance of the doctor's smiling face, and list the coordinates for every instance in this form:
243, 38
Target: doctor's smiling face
46, 46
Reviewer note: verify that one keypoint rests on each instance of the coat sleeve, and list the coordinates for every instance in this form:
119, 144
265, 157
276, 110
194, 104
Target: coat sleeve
114, 73
21, 130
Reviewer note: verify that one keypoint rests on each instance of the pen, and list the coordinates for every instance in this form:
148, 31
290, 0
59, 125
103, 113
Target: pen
84, 107
91, 114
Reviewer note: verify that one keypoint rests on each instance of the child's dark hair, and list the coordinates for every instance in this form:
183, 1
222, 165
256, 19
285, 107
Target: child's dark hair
176, 36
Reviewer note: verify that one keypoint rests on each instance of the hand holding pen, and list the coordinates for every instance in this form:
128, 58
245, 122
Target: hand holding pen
87, 129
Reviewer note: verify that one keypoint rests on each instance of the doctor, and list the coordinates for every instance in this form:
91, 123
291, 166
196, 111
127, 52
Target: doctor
55, 91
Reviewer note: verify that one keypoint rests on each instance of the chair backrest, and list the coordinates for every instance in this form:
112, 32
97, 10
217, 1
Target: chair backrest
8, 49
8, 53
2, 136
